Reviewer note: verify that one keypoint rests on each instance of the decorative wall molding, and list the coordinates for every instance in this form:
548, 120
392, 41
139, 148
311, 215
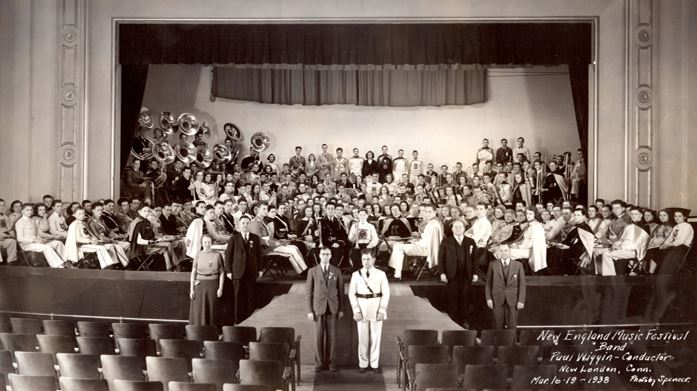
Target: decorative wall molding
641, 106
71, 87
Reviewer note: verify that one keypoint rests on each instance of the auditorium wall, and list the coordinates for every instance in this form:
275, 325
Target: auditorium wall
30, 146
534, 103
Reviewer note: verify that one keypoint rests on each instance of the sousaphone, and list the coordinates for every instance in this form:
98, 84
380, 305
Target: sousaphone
145, 119
260, 142
142, 147
232, 132
188, 124
168, 123
204, 156
164, 153
222, 153
186, 152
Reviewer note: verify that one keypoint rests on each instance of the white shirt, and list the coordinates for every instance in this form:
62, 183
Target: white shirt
459, 239
480, 231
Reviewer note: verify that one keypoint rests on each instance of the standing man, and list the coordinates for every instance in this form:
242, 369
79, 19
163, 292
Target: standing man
340, 164
355, 164
369, 294
505, 289
326, 161
521, 150
484, 154
298, 161
242, 257
416, 166
456, 262
504, 154
325, 295
385, 165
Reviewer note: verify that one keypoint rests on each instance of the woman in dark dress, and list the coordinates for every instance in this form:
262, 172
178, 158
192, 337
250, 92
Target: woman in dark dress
207, 275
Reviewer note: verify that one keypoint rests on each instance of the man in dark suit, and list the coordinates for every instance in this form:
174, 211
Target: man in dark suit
333, 234
455, 259
325, 295
505, 289
242, 257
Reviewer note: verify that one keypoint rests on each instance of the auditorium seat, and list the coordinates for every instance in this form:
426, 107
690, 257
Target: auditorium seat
78, 366
242, 335
136, 347
32, 383
56, 343
6, 367
529, 337
180, 386
426, 354
122, 368
201, 333
26, 326
18, 342
250, 387
160, 331
130, 330
223, 350
452, 338
498, 337
270, 373
523, 375
181, 348
70, 384
490, 377
216, 372
5, 325
35, 364
284, 335
167, 369
94, 329
96, 345
517, 355
131, 385
433, 375
468, 355
59, 327
412, 337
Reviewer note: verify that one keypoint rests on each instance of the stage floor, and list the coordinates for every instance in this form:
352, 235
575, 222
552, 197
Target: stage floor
163, 296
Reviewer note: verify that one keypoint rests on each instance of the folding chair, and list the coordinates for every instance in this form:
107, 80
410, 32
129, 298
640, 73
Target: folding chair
32, 383
93, 329
18, 342
412, 337
284, 335
428, 376
181, 386
59, 327
468, 355
223, 350
216, 372
423, 354
201, 333
26, 326
96, 345
70, 384
452, 338
136, 347
272, 352
160, 331
498, 337
517, 355
485, 377
137, 385
181, 348
130, 330
35, 364
122, 368
242, 335
78, 366
271, 373
167, 369
57, 343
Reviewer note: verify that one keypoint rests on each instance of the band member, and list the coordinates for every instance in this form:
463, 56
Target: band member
370, 165
426, 246
504, 154
578, 244
578, 177
369, 294
168, 222
326, 162
355, 164
385, 164
242, 257
325, 296
480, 231
228, 217
56, 221
416, 166
112, 222
340, 164
505, 289
484, 154
363, 236
631, 244
202, 226
29, 240
6, 241
81, 240
456, 258
333, 234
273, 246
554, 186
520, 149
298, 161
676, 245
183, 186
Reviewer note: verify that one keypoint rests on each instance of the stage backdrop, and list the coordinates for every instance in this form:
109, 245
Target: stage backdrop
535, 103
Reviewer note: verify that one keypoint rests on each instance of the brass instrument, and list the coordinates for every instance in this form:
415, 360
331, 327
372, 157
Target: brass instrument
205, 130
222, 153
164, 153
204, 156
145, 119
260, 142
142, 148
168, 123
188, 124
186, 152
233, 133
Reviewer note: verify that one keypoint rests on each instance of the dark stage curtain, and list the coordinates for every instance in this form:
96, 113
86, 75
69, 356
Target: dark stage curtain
369, 85
133, 79
578, 75
360, 44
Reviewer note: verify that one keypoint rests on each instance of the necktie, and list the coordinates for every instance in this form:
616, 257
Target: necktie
367, 273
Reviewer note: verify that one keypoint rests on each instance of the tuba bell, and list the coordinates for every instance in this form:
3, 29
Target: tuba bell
168, 123
222, 153
164, 153
142, 148
188, 124
232, 131
186, 152
260, 142
145, 119
204, 156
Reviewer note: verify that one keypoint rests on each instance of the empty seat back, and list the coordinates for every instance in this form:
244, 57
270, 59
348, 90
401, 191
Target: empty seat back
78, 366
26, 326
269, 352
419, 337
59, 327
130, 330
485, 377
181, 348
122, 367
517, 355
131, 385
434, 375
277, 335
180, 386
35, 364
216, 372
201, 333
93, 329
18, 342
498, 337
427, 354
467, 355
136, 347
32, 383
223, 350
458, 338
167, 369
160, 331
261, 372
57, 343
95, 345
71, 384
242, 335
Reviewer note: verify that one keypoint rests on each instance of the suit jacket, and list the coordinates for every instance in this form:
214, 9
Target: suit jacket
229, 222
454, 258
332, 231
324, 296
502, 290
242, 256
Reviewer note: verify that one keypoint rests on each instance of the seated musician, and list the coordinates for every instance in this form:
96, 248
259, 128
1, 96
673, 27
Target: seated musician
228, 216
143, 241
216, 227
29, 239
675, 247
502, 232
306, 228
80, 241
578, 244
137, 184
97, 228
396, 227
555, 225
615, 228
41, 221
631, 244
112, 222
332, 234
259, 227
532, 246
168, 222
362, 235
123, 214
56, 221
426, 246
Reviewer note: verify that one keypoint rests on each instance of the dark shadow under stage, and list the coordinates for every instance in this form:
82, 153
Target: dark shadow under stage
553, 300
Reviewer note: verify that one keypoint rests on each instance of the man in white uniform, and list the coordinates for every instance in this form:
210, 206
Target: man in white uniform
426, 246
369, 294
29, 240
480, 231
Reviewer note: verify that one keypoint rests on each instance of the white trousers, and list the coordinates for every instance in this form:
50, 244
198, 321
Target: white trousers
50, 251
605, 260
294, 256
108, 254
369, 334
520, 253
400, 250
10, 246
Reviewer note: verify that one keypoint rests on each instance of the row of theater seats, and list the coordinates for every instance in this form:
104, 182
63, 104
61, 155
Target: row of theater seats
499, 360
57, 354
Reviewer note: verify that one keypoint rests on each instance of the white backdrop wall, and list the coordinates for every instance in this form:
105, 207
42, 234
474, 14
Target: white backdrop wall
534, 103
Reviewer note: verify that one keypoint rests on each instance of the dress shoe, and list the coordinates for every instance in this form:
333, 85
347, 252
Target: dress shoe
377, 370
333, 369
319, 369
362, 370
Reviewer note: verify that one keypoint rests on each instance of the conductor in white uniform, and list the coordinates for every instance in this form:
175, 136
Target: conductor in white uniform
369, 294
